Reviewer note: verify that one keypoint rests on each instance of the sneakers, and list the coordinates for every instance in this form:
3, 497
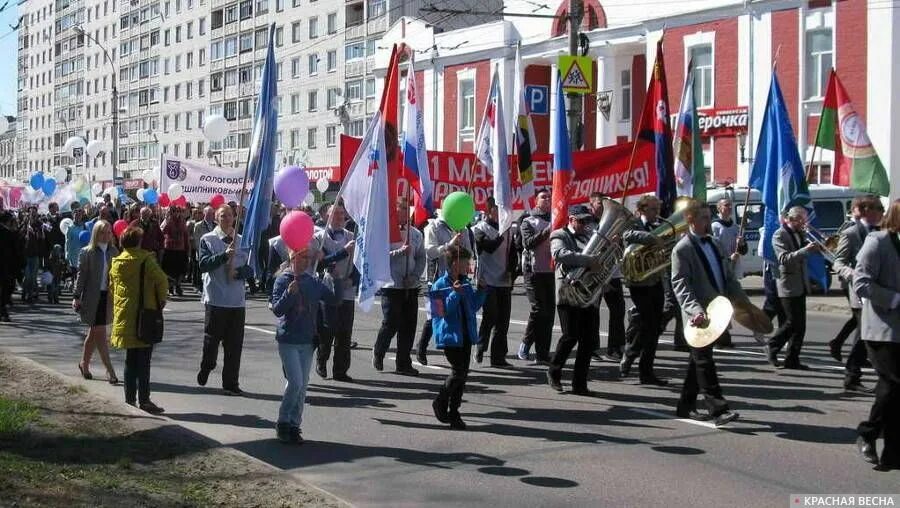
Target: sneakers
726, 417
378, 363
150, 407
522, 353
202, 377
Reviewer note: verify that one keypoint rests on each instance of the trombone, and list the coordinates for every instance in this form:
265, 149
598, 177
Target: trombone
824, 243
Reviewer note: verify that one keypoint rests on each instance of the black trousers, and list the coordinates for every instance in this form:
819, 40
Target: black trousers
495, 318
577, 325
336, 335
791, 331
424, 338
400, 309
849, 326
858, 354
541, 291
772, 304
137, 374
884, 417
452, 390
649, 302
7, 286
702, 379
614, 297
224, 325
671, 310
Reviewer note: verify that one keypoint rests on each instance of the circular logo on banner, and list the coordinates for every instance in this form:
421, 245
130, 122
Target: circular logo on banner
173, 169
853, 134
182, 174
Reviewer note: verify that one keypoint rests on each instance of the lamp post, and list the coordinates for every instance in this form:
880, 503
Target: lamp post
115, 102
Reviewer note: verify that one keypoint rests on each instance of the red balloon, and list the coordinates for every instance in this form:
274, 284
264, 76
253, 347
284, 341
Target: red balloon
164, 200
119, 227
181, 201
217, 201
296, 230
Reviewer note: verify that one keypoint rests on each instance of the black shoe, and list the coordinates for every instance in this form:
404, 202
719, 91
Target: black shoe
456, 422
502, 364
422, 357
554, 381
342, 377
583, 391
354, 344
867, 450
653, 380
834, 348
234, 391
202, 377
597, 355
479, 356
613, 356
625, 366
151, 408
321, 370
440, 410
692, 414
542, 361
406, 371
378, 363
796, 366
282, 432
179, 291
726, 417
294, 436
857, 387
771, 356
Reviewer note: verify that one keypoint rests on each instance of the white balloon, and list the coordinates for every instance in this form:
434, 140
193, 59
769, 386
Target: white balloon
4, 124
60, 174
96, 189
322, 184
73, 144
215, 128
109, 191
175, 191
140, 194
310, 199
147, 175
65, 224
94, 147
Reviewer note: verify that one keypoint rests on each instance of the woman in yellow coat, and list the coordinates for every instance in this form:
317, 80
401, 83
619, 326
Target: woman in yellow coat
124, 287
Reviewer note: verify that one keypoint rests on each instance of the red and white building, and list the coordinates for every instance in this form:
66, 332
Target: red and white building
734, 46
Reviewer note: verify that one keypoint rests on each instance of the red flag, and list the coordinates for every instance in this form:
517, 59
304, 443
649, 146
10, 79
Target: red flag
390, 113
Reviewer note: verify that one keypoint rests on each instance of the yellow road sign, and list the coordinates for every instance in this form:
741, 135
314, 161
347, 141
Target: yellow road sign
576, 72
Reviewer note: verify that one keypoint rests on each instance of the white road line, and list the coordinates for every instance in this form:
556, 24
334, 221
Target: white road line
258, 329
393, 358
651, 412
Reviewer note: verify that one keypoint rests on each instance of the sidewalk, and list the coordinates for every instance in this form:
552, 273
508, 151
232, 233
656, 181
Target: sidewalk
833, 302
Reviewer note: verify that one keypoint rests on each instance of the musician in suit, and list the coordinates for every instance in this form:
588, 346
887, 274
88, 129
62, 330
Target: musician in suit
792, 283
837, 343
579, 324
700, 273
851, 240
613, 296
876, 281
648, 296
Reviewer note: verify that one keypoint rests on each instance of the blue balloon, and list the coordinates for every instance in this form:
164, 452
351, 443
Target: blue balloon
89, 225
49, 186
150, 196
84, 237
37, 181
83, 200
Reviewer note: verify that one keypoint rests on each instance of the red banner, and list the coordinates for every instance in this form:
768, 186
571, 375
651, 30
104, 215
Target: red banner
602, 170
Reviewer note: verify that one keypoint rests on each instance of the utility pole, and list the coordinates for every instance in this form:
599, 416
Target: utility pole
575, 101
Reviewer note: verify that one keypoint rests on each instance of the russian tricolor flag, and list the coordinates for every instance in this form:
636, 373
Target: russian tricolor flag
415, 156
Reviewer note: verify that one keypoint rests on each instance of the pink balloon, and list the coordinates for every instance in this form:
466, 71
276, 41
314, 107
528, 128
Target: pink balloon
296, 230
217, 201
119, 227
164, 199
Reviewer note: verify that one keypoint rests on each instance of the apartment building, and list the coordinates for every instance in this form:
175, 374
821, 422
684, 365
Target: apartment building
8, 151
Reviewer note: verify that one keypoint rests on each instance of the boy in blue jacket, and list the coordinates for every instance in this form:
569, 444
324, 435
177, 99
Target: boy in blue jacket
295, 300
454, 305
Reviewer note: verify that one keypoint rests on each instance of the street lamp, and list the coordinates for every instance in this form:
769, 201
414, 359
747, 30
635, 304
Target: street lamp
115, 102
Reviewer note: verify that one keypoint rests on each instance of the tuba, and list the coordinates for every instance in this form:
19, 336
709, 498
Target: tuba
582, 287
642, 261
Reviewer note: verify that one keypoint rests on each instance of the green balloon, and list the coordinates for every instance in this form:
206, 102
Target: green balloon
458, 210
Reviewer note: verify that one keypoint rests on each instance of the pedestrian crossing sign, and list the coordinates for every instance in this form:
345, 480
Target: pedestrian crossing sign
576, 72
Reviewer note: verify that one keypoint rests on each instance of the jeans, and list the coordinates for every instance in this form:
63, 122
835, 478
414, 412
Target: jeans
296, 361
495, 317
137, 374
884, 416
400, 309
702, 379
541, 291
791, 331
29, 280
452, 390
337, 335
578, 325
225, 325
649, 302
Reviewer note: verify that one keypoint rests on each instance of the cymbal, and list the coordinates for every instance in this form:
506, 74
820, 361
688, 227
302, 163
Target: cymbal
718, 312
751, 317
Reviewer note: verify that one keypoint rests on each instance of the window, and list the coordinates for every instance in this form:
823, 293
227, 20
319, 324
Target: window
295, 103
262, 38
177, 92
311, 138
201, 26
279, 5
246, 42
215, 50
230, 46
355, 128
201, 56
296, 31
625, 105
177, 63
262, 7
167, 37
466, 104
354, 90
295, 138
313, 27
819, 58
190, 30
295, 67
246, 9
370, 88
177, 121
189, 61
177, 34
702, 60
201, 87
279, 37
354, 50
217, 19
231, 14
215, 82
332, 23
313, 64
332, 98
330, 136
313, 100
377, 8
188, 120
332, 60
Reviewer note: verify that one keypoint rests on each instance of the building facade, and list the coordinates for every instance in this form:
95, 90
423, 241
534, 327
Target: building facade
8, 151
734, 46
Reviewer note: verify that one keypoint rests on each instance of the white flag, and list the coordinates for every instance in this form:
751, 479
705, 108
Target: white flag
492, 153
364, 191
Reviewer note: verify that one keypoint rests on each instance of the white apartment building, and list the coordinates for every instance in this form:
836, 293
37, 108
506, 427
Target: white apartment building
8, 151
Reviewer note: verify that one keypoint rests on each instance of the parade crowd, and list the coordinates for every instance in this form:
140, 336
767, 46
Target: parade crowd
122, 263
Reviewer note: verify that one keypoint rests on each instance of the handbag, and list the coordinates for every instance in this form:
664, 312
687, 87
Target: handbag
149, 321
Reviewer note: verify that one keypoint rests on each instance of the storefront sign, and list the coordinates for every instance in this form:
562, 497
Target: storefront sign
722, 122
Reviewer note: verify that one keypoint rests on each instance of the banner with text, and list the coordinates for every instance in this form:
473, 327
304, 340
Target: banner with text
603, 170
201, 181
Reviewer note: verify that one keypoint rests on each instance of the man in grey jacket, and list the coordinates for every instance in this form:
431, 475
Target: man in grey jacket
876, 281
494, 272
792, 283
537, 271
400, 298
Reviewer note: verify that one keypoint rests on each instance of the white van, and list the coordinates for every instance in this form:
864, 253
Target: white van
831, 204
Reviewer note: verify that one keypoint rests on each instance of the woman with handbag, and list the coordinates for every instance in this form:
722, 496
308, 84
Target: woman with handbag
138, 288
90, 297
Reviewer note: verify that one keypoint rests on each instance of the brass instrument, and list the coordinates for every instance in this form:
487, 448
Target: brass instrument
815, 236
642, 261
582, 287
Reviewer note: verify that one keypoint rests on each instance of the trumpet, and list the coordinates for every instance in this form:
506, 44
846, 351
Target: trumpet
815, 236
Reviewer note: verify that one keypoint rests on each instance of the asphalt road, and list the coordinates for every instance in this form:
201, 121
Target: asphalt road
375, 442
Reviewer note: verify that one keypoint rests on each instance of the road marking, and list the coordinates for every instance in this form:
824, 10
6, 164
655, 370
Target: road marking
258, 329
651, 412
393, 358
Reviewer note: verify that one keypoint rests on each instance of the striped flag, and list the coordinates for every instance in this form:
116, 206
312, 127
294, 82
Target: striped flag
562, 161
690, 172
524, 137
493, 155
415, 157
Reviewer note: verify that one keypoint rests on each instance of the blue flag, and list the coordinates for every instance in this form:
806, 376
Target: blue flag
261, 163
779, 176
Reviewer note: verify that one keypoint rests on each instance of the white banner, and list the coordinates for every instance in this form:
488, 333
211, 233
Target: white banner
201, 181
